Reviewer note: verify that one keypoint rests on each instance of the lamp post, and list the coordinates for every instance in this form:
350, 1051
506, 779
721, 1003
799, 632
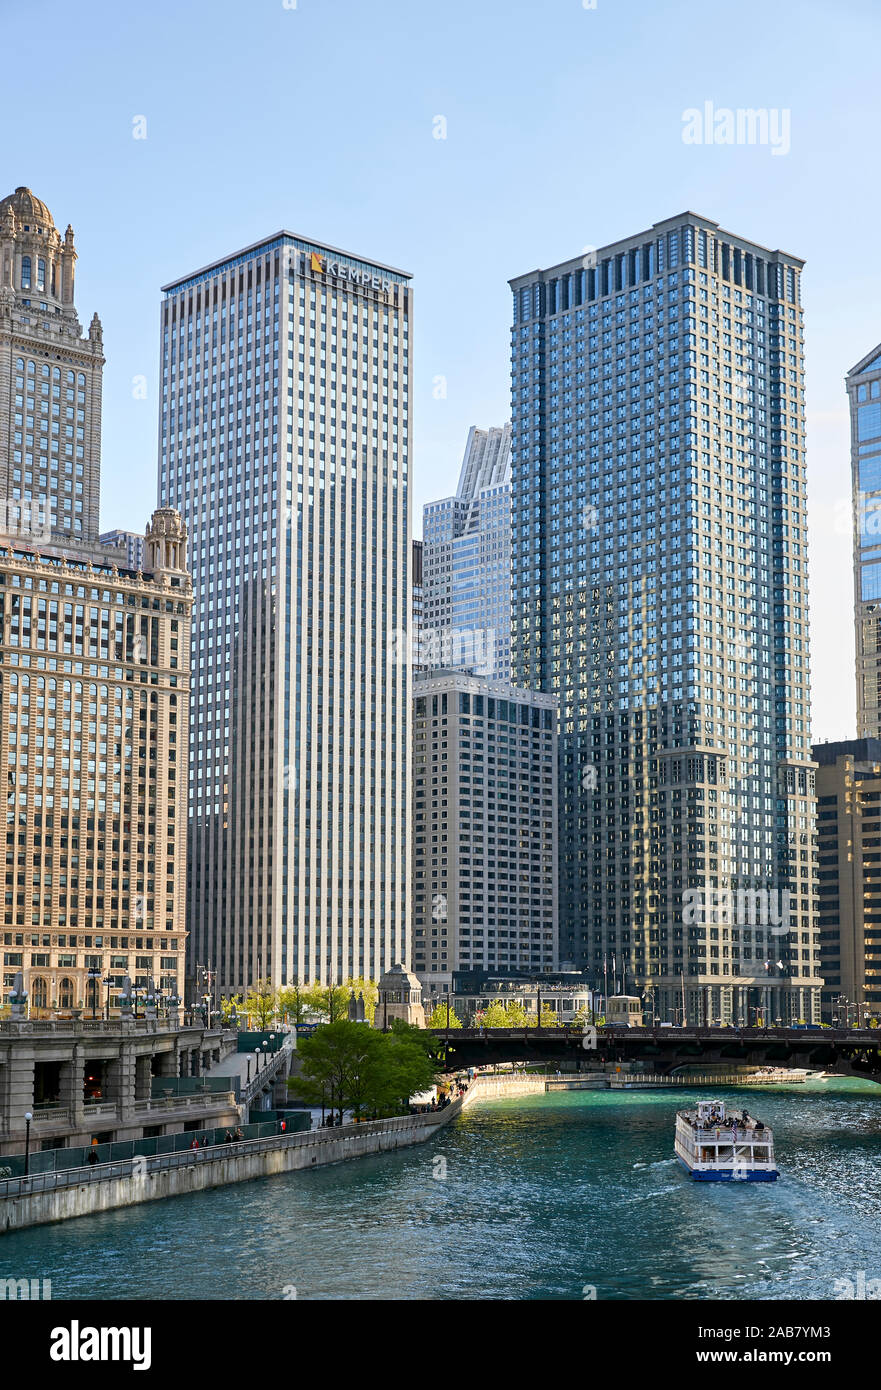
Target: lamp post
94, 975
107, 982
27, 1142
257, 1059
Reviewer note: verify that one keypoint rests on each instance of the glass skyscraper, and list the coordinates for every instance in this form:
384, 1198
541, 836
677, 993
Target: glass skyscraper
467, 564
284, 442
660, 591
864, 396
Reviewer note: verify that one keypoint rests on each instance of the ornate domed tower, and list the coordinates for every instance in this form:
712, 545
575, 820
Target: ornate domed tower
50, 383
165, 549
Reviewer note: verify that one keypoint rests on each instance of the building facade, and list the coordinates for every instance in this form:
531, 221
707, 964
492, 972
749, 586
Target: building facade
484, 834
864, 398
660, 591
130, 543
467, 564
285, 443
849, 874
50, 383
94, 667
418, 607
94, 708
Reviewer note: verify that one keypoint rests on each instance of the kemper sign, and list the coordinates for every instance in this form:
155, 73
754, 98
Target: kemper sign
367, 278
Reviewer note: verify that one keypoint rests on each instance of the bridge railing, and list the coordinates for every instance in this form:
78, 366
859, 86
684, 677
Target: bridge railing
697, 1032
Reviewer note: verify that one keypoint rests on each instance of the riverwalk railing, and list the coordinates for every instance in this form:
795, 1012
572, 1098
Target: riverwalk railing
274, 1063
141, 1165
710, 1078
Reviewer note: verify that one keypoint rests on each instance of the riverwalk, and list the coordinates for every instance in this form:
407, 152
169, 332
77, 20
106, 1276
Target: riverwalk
59, 1196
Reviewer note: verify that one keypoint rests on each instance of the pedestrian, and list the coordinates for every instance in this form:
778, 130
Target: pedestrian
93, 1155
239, 1134
194, 1143
227, 1138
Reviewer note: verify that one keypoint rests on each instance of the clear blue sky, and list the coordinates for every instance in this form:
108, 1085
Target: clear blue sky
564, 129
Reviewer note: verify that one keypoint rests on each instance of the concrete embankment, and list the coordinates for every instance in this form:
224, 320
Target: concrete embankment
488, 1087
48, 1197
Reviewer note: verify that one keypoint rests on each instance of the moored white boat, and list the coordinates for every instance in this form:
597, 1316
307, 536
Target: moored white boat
715, 1145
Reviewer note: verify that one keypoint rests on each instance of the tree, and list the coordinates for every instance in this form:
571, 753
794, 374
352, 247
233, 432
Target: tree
494, 1015
353, 1066
331, 1002
262, 1002
548, 1018
293, 1003
438, 1018
227, 1006
370, 990
409, 1066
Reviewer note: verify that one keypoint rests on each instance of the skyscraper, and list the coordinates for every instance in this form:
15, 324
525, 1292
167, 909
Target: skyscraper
94, 665
284, 440
660, 590
130, 543
484, 827
417, 601
467, 563
50, 459
864, 397
849, 836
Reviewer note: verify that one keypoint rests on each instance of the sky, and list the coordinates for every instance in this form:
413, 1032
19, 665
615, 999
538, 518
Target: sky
467, 142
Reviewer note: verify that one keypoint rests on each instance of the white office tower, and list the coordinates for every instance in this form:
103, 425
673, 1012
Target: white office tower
285, 442
467, 564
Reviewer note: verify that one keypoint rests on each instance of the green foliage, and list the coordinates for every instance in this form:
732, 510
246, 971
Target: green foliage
351, 1066
548, 1018
510, 1015
331, 1002
293, 1004
227, 1006
438, 1018
262, 1003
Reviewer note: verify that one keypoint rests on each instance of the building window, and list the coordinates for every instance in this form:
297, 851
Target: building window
25, 272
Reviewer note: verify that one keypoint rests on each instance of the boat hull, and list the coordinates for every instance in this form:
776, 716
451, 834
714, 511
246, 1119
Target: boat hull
728, 1174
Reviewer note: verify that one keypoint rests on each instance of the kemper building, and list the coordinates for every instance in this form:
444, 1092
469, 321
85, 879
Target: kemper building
94, 667
285, 443
660, 591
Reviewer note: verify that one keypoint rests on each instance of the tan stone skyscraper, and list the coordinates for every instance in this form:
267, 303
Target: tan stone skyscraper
50, 422
94, 665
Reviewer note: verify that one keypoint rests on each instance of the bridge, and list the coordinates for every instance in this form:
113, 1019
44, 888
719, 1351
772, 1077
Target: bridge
840, 1051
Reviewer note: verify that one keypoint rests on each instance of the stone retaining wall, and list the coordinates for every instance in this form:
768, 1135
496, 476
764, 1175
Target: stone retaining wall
204, 1170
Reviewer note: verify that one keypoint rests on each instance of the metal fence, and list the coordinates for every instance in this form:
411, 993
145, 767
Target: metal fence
140, 1165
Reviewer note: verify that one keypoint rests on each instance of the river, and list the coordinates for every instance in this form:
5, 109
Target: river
568, 1195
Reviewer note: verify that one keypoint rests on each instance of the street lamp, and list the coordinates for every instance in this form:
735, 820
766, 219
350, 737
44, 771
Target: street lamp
257, 1056
107, 982
27, 1142
94, 975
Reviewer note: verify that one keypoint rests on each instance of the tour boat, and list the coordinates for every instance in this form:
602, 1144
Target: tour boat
715, 1145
